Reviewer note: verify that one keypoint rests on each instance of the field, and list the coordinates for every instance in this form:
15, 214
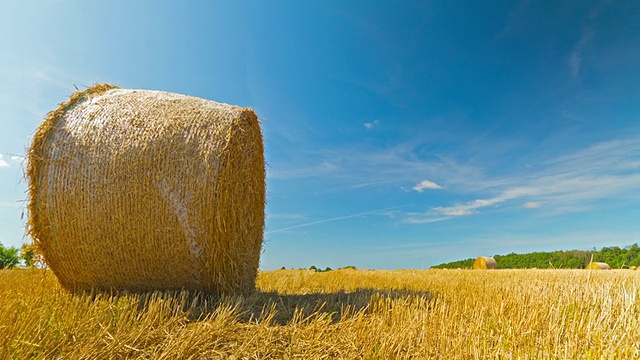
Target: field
345, 314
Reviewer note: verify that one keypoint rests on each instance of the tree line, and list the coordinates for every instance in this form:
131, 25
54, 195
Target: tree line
11, 257
615, 256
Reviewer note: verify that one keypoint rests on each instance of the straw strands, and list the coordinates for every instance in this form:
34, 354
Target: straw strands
146, 190
485, 262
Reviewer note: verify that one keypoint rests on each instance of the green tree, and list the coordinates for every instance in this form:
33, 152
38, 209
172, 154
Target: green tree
28, 254
348, 267
9, 257
615, 256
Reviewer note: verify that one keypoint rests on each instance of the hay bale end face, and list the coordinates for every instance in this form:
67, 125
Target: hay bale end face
598, 266
485, 263
145, 190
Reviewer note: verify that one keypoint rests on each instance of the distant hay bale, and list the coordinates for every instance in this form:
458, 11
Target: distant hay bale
598, 266
632, 267
485, 262
145, 190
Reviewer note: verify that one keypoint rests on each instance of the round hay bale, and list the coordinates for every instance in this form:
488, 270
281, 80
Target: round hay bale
485, 262
144, 190
632, 267
598, 266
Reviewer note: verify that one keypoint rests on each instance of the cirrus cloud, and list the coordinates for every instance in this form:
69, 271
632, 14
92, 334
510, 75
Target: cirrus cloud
568, 183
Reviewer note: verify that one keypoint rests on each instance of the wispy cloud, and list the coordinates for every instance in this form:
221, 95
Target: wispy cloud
293, 216
365, 166
373, 183
324, 168
37, 84
421, 219
576, 57
15, 158
12, 204
482, 173
426, 184
334, 219
567, 183
464, 209
3, 163
370, 125
534, 204
46, 73
468, 208
19, 159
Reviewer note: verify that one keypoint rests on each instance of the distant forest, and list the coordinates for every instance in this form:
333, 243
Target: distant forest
615, 256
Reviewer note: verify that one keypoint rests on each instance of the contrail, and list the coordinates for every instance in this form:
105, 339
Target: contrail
334, 219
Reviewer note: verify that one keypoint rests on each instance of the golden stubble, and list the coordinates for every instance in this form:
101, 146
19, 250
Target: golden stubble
344, 314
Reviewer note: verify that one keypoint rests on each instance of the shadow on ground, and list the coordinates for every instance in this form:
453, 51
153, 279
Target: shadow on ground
333, 306
261, 307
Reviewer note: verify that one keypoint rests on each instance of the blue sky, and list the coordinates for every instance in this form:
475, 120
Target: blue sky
397, 135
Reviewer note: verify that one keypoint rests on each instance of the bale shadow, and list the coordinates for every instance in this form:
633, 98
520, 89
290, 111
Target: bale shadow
261, 307
334, 306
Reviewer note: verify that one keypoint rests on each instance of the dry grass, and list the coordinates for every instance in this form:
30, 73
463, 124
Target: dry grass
347, 314
148, 190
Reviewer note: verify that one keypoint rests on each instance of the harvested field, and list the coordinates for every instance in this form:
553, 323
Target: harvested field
344, 314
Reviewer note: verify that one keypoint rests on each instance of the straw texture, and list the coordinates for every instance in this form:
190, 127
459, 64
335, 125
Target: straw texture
484, 263
145, 190
598, 266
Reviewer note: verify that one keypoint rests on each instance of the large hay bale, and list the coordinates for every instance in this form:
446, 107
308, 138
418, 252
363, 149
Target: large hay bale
485, 262
598, 266
145, 190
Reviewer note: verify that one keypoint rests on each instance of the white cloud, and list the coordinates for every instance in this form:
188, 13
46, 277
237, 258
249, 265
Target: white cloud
2, 162
468, 208
22, 160
370, 125
450, 212
534, 204
455, 210
426, 184
5, 164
